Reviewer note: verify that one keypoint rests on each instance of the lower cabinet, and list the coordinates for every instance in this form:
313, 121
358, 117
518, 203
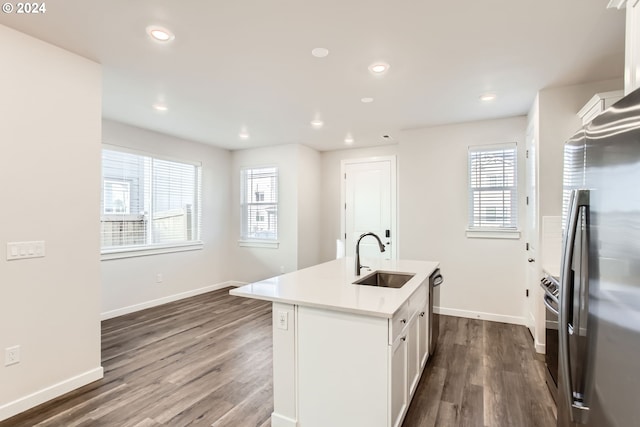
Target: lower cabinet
341, 369
409, 354
413, 357
423, 335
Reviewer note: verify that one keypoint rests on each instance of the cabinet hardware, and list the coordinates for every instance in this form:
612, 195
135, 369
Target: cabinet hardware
403, 320
422, 314
404, 338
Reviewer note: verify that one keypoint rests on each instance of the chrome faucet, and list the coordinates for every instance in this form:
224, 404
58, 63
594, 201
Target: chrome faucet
358, 266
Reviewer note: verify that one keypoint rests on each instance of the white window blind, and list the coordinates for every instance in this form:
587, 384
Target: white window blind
148, 202
259, 200
573, 176
493, 195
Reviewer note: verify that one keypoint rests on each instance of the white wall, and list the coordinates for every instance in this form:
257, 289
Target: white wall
484, 278
130, 284
330, 193
309, 206
50, 111
298, 174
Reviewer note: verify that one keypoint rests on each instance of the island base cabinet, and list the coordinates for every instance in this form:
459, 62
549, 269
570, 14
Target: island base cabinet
342, 369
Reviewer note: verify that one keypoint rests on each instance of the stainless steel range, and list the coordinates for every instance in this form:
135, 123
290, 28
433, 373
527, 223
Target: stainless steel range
551, 286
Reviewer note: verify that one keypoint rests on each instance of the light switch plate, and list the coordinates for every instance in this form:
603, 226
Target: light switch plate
11, 355
23, 250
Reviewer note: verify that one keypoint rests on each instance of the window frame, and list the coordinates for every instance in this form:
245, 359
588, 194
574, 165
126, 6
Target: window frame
493, 232
246, 240
128, 251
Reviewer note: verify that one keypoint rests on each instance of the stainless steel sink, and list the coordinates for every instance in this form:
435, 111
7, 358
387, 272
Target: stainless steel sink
385, 279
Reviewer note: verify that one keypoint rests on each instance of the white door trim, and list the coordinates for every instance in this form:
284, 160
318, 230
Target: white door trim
394, 197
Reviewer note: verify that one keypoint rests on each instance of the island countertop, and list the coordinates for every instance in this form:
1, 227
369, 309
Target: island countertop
330, 285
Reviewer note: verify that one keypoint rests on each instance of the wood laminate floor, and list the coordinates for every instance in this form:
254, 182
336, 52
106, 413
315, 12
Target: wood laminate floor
206, 361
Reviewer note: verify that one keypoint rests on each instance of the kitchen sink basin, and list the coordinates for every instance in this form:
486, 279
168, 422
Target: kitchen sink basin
385, 279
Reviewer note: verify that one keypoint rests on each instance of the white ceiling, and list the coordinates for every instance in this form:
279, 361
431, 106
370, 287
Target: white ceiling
248, 63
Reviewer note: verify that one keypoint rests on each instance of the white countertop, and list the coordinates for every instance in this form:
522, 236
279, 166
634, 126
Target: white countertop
330, 285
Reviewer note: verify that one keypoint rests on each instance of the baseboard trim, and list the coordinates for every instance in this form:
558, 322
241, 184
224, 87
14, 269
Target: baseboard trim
540, 348
236, 283
32, 400
278, 420
514, 320
170, 298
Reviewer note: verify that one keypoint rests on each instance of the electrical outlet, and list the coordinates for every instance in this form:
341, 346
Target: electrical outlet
283, 320
11, 355
282, 269
158, 278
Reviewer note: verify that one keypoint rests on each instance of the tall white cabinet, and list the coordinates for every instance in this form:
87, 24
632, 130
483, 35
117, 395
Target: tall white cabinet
632, 43
632, 47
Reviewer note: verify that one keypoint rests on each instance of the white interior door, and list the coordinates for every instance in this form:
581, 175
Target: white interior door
369, 194
533, 274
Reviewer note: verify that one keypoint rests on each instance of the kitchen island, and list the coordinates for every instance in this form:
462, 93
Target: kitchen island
345, 354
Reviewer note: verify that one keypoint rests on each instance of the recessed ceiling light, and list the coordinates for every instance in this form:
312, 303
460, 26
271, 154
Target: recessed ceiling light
317, 123
349, 139
379, 68
160, 107
160, 34
320, 52
487, 97
243, 134
366, 100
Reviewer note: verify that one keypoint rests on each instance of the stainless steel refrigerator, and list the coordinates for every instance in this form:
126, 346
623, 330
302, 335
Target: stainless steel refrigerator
599, 326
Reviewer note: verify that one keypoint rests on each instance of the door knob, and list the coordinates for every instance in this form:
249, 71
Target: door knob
531, 260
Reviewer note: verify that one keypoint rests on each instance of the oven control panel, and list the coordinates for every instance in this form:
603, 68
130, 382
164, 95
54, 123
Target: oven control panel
550, 285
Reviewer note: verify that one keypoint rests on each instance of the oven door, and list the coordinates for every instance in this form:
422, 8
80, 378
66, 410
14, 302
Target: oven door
552, 343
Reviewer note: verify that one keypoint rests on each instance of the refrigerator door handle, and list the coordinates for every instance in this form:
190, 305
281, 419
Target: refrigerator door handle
578, 408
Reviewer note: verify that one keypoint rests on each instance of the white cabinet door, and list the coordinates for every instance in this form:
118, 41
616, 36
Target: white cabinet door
398, 380
413, 356
423, 335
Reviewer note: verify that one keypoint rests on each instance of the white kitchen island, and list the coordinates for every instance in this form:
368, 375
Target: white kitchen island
344, 354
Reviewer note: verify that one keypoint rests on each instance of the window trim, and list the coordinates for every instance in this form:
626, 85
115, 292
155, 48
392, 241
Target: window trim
492, 232
131, 251
138, 251
255, 243
245, 241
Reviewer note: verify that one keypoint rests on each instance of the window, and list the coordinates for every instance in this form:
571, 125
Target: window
493, 188
572, 176
117, 197
259, 198
148, 202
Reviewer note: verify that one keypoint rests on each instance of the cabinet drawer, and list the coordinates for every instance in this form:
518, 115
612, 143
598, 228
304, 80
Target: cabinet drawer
398, 322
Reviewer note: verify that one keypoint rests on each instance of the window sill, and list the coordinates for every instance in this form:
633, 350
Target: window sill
493, 234
137, 251
270, 244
